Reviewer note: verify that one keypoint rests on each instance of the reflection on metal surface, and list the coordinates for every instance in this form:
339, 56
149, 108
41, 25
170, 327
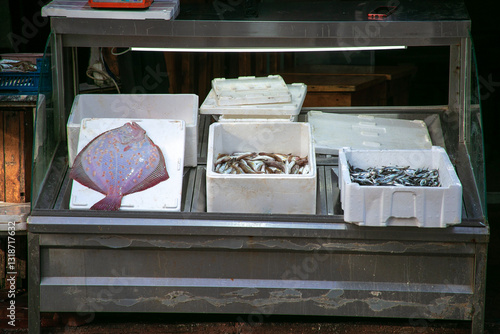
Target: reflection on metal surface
264, 296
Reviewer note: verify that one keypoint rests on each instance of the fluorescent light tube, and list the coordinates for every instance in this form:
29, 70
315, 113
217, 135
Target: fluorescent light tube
271, 49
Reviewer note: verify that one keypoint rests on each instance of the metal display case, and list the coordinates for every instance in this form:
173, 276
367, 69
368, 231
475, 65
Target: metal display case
260, 264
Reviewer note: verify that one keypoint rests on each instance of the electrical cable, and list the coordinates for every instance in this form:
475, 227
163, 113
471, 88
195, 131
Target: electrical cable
105, 76
90, 73
119, 53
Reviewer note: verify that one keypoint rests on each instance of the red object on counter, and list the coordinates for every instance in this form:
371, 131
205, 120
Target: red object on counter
120, 3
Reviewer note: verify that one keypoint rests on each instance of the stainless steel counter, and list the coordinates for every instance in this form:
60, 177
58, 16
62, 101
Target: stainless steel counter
258, 264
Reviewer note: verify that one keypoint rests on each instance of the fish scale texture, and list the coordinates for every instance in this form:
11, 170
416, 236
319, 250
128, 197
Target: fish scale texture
119, 162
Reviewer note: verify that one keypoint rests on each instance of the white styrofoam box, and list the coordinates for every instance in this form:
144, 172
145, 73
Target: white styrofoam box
250, 90
400, 205
297, 91
169, 136
261, 193
333, 131
143, 106
159, 9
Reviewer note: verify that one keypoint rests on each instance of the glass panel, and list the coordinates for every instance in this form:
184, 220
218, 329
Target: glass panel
45, 141
474, 139
414, 76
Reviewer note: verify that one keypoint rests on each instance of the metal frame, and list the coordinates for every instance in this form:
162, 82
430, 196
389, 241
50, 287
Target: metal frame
258, 265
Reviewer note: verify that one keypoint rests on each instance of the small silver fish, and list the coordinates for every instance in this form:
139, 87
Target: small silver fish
395, 176
261, 163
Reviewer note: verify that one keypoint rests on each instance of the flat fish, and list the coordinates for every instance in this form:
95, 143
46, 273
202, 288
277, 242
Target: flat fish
119, 162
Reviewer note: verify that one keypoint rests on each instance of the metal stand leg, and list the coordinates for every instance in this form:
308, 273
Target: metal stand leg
33, 283
479, 289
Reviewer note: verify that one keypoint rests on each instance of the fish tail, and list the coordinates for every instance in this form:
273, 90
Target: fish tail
108, 203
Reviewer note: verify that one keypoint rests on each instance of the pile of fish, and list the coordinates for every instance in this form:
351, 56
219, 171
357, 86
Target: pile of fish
10, 65
261, 163
395, 176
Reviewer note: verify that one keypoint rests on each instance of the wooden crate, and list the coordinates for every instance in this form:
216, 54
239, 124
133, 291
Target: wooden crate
341, 90
16, 141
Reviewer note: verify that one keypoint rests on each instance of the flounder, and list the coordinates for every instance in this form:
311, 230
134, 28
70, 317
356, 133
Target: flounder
119, 162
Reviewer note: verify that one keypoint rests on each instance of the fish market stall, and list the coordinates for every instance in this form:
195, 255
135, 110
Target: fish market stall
227, 247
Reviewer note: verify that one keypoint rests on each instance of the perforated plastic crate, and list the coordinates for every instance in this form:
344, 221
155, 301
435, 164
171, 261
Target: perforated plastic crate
24, 82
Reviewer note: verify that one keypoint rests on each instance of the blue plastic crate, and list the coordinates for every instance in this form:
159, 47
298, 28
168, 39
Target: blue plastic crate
17, 82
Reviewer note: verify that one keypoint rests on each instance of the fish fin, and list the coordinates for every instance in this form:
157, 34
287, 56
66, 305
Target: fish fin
108, 203
160, 174
78, 174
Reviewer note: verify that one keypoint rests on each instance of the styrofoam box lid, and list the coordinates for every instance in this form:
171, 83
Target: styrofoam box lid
250, 90
333, 131
297, 91
169, 135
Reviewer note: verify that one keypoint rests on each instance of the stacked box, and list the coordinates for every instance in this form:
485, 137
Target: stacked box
245, 107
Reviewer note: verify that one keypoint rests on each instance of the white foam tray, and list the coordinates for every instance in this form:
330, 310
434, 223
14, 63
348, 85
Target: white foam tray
250, 90
403, 205
258, 193
297, 91
159, 10
142, 106
333, 131
165, 196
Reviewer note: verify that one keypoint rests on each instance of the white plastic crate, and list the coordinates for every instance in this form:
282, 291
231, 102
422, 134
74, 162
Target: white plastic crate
400, 205
283, 111
169, 136
261, 193
333, 131
142, 106
250, 90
